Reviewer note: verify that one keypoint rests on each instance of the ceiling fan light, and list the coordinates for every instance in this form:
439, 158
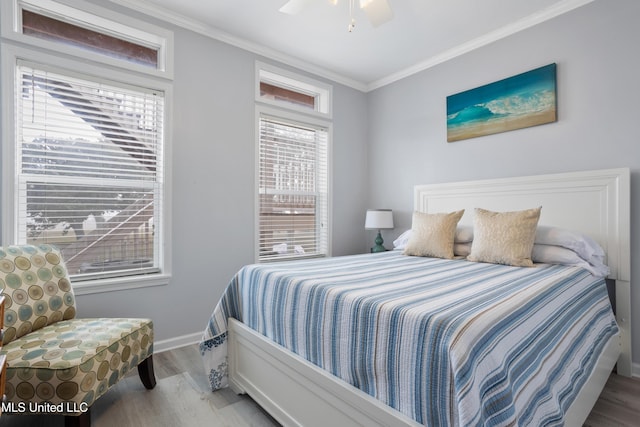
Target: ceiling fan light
378, 11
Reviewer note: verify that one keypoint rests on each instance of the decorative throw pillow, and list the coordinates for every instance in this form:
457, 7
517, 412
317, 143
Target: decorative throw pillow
433, 234
504, 237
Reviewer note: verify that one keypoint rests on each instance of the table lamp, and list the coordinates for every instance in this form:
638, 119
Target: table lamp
378, 219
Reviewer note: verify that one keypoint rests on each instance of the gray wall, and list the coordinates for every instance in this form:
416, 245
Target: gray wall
384, 143
598, 67
213, 161
212, 210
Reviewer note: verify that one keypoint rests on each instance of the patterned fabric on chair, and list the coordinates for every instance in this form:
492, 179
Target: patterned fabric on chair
53, 357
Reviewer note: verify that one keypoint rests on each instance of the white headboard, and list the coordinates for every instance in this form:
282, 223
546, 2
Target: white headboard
596, 203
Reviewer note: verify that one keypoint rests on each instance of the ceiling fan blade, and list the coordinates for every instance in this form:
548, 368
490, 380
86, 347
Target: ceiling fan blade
293, 7
378, 11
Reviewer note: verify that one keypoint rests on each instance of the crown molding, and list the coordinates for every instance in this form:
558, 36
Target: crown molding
212, 32
503, 32
222, 36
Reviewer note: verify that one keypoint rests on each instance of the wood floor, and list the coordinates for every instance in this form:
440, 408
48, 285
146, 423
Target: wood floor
182, 398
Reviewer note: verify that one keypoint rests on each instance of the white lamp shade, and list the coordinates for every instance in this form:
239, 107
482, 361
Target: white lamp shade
378, 219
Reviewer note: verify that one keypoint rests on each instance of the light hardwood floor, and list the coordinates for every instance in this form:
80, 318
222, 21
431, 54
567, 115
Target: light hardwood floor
182, 398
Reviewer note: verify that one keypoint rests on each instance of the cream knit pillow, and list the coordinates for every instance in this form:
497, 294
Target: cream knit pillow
504, 237
433, 234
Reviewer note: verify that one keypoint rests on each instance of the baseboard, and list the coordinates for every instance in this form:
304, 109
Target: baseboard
176, 342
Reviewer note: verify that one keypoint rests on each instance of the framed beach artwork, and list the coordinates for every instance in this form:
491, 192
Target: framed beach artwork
524, 100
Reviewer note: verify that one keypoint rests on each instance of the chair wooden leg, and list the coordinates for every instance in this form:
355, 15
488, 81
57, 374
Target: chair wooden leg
82, 420
145, 371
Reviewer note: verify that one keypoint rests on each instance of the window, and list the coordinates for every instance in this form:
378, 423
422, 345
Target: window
89, 171
293, 199
280, 94
90, 32
47, 28
84, 163
293, 171
292, 92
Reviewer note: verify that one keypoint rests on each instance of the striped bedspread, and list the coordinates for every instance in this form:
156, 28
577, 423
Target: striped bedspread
446, 342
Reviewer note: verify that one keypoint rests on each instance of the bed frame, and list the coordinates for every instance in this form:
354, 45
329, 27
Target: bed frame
597, 203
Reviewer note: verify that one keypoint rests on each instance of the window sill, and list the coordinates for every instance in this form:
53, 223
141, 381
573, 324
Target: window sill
119, 283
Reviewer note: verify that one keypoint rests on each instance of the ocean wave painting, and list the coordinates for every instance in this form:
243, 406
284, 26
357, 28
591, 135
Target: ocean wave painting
528, 99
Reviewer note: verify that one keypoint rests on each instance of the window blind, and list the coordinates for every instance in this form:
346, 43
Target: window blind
89, 166
293, 190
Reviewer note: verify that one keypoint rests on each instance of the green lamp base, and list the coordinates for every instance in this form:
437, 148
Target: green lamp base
378, 247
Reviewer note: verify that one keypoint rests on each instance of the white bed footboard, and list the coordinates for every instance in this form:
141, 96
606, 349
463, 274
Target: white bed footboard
297, 393
294, 391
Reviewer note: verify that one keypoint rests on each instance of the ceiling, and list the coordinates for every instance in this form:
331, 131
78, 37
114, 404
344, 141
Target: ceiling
422, 33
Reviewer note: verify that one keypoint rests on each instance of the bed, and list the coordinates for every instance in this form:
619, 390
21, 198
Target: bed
473, 359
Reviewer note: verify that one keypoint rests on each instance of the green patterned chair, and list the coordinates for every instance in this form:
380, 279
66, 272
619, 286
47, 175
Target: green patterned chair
52, 357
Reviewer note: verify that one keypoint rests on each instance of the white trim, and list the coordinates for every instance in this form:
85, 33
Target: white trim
8, 146
636, 370
176, 342
97, 286
296, 116
553, 11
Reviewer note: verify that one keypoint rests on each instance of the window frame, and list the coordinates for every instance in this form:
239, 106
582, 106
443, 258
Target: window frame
294, 114
11, 54
94, 18
292, 81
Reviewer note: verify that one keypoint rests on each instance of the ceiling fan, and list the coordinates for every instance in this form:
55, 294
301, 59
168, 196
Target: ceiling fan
378, 11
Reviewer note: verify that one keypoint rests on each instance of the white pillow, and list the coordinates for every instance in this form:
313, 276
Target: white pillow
461, 249
504, 237
401, 241
581, 244
464, 234
550, 254
433, 234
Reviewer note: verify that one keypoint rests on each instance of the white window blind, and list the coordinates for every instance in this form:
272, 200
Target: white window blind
293, 190
89, 171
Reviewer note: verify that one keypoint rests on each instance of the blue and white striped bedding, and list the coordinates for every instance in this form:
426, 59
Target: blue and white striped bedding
446, 342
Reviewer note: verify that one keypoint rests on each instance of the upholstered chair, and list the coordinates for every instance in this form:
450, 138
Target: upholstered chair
52, 357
